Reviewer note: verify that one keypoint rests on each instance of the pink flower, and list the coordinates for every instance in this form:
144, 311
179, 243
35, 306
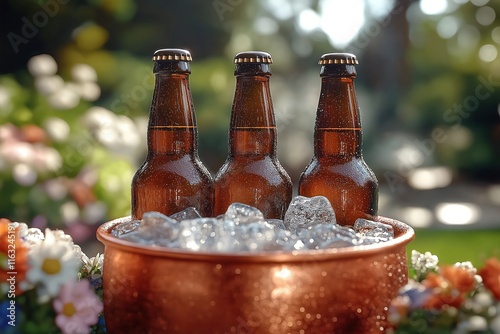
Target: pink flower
77, 307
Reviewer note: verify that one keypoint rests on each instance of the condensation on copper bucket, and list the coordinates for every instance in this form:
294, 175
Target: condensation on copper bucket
159, 290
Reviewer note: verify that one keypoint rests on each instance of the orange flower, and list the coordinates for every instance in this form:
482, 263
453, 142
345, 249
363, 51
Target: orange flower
13, 256
451, 285
434, 280
442, 299
458, 278
491, 276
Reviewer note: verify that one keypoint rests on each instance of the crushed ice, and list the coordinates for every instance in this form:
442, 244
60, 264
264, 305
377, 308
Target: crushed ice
309, 224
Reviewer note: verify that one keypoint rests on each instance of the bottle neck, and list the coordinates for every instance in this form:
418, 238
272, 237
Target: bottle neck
338, 126
172, 123
252, 128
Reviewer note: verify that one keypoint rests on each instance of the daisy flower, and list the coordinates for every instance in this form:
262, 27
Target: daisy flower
31, 236
52, 263
77, 307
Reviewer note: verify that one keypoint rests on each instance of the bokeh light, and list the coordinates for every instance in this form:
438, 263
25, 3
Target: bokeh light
341, 20
488, 53
418, 217
447, 26
430, 177
433, 7
458, 213
485, 16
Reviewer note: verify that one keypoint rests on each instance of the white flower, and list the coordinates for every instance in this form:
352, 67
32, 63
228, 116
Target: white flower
89, 91
41, 65
48, 85
77, 252
65, 98
467, 266
31, 236
52, 263
83, 73
61, 236
57, 128
24, 174
424, 262
93, 264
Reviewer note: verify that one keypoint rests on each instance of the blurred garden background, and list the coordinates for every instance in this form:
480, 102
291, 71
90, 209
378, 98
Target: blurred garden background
76, 82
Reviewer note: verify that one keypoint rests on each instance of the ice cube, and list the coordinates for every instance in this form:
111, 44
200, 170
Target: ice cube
304, 212
243, 214
321, 236
309, 224
372, 232
125, 228
188, 213
136, 237
345, 231
256, 236
155, 226
338, 242
198, 234
278, 223
226, 240
288, 241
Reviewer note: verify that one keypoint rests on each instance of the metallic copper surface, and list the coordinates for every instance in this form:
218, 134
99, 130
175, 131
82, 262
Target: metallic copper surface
161, 290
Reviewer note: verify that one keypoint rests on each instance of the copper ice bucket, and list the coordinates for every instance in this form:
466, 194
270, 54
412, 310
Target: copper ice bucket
160, 290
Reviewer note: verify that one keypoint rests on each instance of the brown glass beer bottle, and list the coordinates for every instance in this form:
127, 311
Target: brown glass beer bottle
172, 177
337, 169
252, 173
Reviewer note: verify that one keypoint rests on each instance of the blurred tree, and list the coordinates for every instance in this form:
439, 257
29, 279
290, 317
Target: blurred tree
416, 66
455, 86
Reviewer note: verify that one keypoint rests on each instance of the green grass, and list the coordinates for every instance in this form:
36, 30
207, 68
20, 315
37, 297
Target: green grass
457, 246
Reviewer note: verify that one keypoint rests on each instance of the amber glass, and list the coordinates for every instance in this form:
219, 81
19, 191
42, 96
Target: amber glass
172, 177
252, 173
337, 169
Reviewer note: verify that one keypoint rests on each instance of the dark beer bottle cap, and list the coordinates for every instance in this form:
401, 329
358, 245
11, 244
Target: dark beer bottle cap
250, 63
338, 65
338, 58
172, 55
257, 57
172, 61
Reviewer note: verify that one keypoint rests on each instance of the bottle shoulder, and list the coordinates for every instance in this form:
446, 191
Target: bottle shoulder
327, 168
253, 166
186, 166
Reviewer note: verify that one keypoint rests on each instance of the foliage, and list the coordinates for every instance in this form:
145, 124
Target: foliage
410, 78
